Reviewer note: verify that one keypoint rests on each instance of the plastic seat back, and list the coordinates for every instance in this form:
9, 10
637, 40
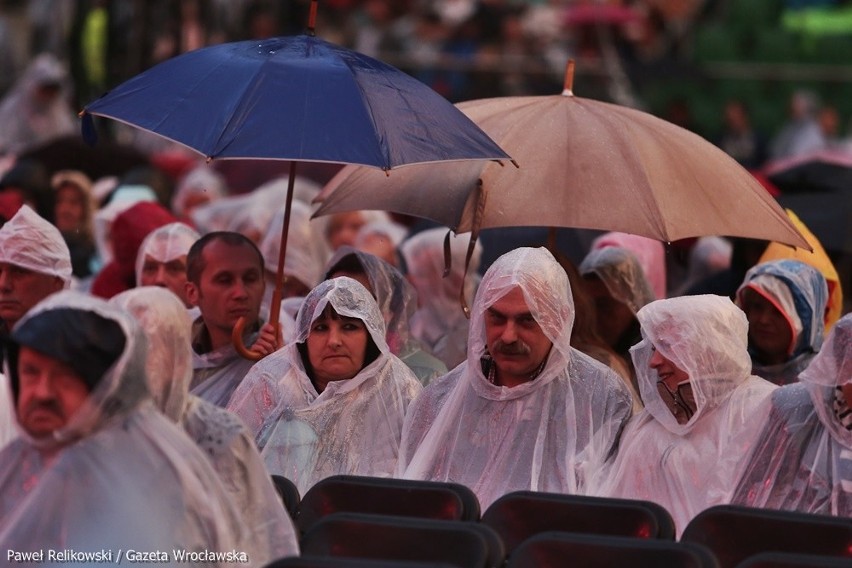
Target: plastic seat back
386, 496
520, 515
338, 562
289, 494
735, 533
576, 550
383, 537
783, 560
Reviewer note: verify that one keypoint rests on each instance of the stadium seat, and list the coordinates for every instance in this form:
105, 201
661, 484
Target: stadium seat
384, 537
386, 496
558, 549
520, 515
335, 562
735, 533
782, 560
289, 494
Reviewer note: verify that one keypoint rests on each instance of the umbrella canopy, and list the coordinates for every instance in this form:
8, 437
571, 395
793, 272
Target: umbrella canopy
818, 188
295, 98
583, 164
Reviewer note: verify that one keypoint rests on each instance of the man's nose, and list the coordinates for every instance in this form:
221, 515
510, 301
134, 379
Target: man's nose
510, 333
5, 280
656, 360
239, 290
41, 387
160, 277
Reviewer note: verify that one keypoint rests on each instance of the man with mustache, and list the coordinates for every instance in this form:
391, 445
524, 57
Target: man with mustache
34, 263
97, 468
525, 411
224, 272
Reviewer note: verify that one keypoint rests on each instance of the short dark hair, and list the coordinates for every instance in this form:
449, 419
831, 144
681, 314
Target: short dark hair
195, 264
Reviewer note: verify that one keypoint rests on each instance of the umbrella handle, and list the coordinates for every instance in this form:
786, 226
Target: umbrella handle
240, 326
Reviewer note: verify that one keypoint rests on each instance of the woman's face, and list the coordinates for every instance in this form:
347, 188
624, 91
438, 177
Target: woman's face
69, 209
769, 333
337, 347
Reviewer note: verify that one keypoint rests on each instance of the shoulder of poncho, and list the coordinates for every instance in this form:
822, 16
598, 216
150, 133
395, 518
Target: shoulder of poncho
215, 418
792, 403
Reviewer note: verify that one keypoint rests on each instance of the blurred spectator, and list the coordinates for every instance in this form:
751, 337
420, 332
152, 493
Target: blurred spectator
801, 133
74, 211
739, 138
37, 108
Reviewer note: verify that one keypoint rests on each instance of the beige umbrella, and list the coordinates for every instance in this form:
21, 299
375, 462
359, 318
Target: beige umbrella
582, 164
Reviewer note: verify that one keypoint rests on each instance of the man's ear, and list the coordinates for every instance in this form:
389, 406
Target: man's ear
193, 294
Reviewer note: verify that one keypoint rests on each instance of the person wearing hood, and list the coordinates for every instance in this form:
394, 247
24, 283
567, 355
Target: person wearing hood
37, 109
97, 467
74, 212
220, 434
616, 281
127, 232
525, 411
333, 400
34, 263
440, 322
161, 260
703, 408
785, 303
397, 301
803, 458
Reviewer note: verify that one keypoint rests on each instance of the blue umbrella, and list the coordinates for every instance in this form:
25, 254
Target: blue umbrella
295, 98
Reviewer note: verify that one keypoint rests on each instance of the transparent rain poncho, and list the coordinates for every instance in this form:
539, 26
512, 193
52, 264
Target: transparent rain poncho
202, 182
803, 459
353, 426
29, 241
439, 321
397, 301
650, 252
621, 273
683, 451
800, 292
225, 440
119, 474
165, 244
549, 434
29, 120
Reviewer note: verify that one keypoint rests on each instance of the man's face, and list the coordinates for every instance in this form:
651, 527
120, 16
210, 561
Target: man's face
49, 393
21, 289
768, 330
230, 286
170, 274
613, 317
515, 339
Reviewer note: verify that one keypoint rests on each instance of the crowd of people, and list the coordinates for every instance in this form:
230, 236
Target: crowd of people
129, 419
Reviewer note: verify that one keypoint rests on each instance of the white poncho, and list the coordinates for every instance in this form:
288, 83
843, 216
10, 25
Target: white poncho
549, 434
118, 475
689, 466
803, 459
219, 433
353, 426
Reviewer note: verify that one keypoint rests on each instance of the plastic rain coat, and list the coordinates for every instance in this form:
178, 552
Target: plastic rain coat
397, 301
29, 241
688, 463
799, 292
220, 434
353, 426
803, 459
549, 434
439, 321
118, 475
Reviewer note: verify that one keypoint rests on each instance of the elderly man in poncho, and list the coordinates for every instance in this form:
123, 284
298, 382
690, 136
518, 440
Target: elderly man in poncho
525, 411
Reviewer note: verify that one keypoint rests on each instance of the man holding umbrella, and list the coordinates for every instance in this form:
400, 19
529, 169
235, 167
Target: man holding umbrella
225, 280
